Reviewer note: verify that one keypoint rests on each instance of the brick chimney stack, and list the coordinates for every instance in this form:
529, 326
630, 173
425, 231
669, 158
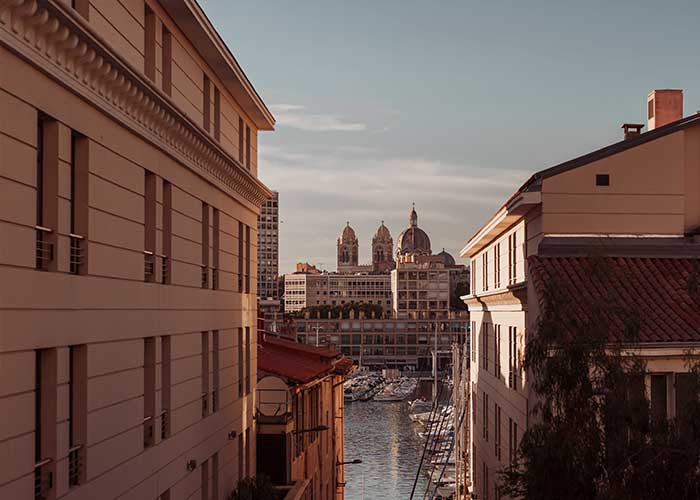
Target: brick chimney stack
664, 106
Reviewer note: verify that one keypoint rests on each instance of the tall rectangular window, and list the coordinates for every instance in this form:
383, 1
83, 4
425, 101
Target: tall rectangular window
205, 480
472, 341
485, 410
205, 374
248, 450
149, 391
241, 456
485, 271
149, 62
241, 145
247, 147
513, 357
217, 114
79, 203
215, 476
240, 257
512, 440
206, 104
486, 480
77, 409
149, 209
215, 371
497, 431
472, 276
497, 265
45, 408
485, 346
497, 351
215, 272
248, 375
658, 398
167, 261
247, 258
46, 193
167, 60
205, 245
241, 366
512, 259
165, 386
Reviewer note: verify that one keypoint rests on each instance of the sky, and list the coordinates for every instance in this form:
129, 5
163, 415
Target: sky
450, 105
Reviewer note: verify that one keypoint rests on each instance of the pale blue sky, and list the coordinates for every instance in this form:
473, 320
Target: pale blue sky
449, 104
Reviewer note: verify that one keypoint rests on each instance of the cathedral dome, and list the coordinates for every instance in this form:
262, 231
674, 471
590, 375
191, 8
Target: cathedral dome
447, 258
413, 240
347, 235
382, 233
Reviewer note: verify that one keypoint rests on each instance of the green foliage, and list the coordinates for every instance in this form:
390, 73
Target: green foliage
593, 436
343, 311
254, 488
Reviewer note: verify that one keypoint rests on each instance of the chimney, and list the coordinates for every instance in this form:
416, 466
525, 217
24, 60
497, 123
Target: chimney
664, 106
632, 129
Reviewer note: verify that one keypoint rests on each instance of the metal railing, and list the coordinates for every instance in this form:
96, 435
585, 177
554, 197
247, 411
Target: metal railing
43, 479
75, 464
205, 277
214, 401
149, 265
44, 249
205, 404
164, 425
148, 432
164, 269
76, 252
214, 278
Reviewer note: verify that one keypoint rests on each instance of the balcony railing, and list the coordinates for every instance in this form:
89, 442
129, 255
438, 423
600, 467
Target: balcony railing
205, 277
44, 248
214, 278
164, 270
214, 401
43, 479
149, 265
148, 440
164, 425
75, 465
76, 252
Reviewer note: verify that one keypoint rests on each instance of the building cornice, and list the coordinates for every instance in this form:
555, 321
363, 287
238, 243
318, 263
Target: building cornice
513, 295
63, 46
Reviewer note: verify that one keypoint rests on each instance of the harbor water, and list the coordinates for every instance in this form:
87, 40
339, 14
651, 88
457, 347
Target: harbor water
382, 435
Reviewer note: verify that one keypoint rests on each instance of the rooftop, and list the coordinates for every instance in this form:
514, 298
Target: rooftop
299, 362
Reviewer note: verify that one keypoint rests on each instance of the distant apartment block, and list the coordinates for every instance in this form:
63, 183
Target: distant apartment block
632, 207
268, 249
308, 290
129, 198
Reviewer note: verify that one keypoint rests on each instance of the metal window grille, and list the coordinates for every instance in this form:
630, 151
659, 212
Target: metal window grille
164, 425
43, 479
205, 277
149, 265
215, 278
148, 432
76, 253
44, 248
205, 404
75, 464
164, 270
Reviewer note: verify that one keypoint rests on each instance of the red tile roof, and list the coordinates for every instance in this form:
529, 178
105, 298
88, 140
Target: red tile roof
663, 293
299, 362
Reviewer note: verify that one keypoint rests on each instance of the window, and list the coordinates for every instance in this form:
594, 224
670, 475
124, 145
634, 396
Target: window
46, 193
149, 390
205, 480
247, 147
167, 60
485, 346
240, 140
79, 182
215, 476
602, 179
497, 351
241, 457
658, 398
44, 420
512, 440
248, 449
82, 7
240, 257
77, 413
513, 357
215, 273
472, 341
205, 245
206, 103
247, 360
472, 276
149, 62
247, 259
217, 114
512, 259
215, 371
205, 374
241, 366
149, 208
485, 472
497, 431
165, 365
497, 265
650, 109
485, 271
485, 409
166, 263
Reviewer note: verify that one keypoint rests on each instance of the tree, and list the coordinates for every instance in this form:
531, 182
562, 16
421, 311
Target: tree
254, 488
594, 435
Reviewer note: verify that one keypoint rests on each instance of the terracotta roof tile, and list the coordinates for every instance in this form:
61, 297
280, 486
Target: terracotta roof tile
299, 362
657, 290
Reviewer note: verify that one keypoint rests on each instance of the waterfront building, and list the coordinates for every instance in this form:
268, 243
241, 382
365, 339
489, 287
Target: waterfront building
333, 289
378, 343
128, 219
268, 249
635, 206
300, 418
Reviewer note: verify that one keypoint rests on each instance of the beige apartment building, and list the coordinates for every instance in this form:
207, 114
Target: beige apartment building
331, 289
634, 204
129, 199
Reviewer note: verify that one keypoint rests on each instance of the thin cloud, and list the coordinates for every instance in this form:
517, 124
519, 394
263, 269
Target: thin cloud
296, 116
